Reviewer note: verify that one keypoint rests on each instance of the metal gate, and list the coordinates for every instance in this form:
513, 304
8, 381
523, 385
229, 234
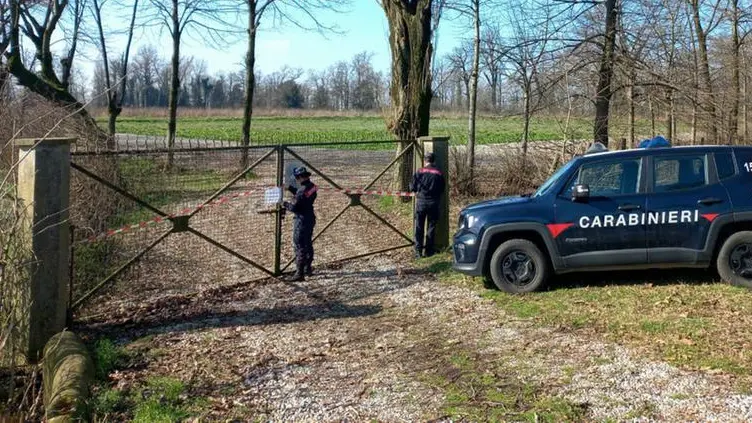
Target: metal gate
155, 221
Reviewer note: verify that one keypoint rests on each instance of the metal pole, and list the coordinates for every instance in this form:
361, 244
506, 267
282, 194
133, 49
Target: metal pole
71, 276
278, 223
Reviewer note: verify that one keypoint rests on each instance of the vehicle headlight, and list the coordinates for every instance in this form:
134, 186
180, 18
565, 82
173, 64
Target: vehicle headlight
471, 220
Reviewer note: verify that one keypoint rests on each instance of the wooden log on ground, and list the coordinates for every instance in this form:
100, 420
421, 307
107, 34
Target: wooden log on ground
68, 373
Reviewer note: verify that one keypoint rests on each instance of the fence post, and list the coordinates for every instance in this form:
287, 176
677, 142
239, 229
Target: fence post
44, 190
278, 215
439, 146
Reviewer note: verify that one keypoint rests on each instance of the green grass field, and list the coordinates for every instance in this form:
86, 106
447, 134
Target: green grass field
271, 130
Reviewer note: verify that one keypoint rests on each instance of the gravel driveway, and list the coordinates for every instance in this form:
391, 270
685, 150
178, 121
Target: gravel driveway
360, 341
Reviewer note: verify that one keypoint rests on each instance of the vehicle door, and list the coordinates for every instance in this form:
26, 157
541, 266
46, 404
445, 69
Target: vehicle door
684, 197
605, 230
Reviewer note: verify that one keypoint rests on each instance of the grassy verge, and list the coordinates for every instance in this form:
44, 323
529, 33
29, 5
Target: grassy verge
684, 318
363, 128
486, 389
158, 399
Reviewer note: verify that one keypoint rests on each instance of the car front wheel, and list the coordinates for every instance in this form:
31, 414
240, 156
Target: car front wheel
519, 266
734, 261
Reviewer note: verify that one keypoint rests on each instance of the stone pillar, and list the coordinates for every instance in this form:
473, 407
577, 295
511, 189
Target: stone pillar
439, 146
44, 190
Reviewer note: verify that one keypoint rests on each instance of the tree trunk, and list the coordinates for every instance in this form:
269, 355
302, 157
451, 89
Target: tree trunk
174, 83
704, 70
670, 119
745, 128
473, 101
652, 115
606, 72
116, 97
4, 80
112, 110
250, 81
735, 82
493, 88
410, 91
526, 117
694, 122
631, 107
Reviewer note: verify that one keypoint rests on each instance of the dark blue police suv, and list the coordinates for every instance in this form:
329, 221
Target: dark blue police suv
634, 209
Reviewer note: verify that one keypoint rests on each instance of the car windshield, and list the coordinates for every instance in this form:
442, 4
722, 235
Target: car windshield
543, 189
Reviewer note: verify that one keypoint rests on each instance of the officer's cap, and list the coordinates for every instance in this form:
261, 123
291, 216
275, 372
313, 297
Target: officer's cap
301, 172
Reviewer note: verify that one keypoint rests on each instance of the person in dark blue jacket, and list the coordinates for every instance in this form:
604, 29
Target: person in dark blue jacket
305, 221
428, 186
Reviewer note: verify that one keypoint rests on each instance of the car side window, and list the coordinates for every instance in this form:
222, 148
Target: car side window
677, 173
609, 179
724, 163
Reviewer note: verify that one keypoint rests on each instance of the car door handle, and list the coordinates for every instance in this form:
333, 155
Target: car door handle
629, 207
709, 200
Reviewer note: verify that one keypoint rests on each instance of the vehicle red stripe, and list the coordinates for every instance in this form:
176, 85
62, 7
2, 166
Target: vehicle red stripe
557, 228
710, 216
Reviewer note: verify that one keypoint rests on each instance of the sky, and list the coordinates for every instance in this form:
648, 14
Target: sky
363, 28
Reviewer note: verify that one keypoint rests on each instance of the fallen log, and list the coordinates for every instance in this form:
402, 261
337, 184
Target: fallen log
67, 373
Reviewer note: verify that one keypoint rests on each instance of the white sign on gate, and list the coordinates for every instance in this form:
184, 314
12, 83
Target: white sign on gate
272, 196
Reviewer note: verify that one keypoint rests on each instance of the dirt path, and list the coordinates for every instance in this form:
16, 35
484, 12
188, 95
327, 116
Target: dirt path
371, 341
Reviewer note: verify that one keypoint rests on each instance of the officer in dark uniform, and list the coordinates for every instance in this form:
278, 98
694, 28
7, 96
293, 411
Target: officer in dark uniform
428, 186
305, 221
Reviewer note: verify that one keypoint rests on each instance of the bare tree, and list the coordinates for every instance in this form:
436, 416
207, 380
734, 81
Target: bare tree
471, 10
177, 16
648, 49
38, 21
605, 74
4, 42
492, 62
461, 59
701, 32
281, 11
525, 52
339, 79
410, 36
366, 82
739, 17
115, 97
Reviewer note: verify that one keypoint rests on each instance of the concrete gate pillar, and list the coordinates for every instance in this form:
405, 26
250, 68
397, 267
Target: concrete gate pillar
439, 146
44, 191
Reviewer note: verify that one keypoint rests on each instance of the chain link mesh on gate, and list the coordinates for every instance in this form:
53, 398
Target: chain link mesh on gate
350, 224
154, 223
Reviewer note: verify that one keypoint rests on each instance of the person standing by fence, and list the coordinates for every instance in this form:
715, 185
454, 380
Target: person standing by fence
428, 186
305, 221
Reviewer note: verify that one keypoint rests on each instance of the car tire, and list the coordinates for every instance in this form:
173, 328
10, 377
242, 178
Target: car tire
730, 262
488, 283
518, 266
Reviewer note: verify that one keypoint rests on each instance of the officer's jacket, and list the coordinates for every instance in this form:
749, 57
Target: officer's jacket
304, 198
428, 184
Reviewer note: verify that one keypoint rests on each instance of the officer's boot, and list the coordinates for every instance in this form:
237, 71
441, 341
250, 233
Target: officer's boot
308, 269
299, 275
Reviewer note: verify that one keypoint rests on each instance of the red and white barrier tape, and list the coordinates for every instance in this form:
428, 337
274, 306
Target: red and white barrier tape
160, 219
226, 199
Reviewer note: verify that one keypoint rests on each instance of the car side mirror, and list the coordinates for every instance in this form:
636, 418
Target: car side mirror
580, 193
